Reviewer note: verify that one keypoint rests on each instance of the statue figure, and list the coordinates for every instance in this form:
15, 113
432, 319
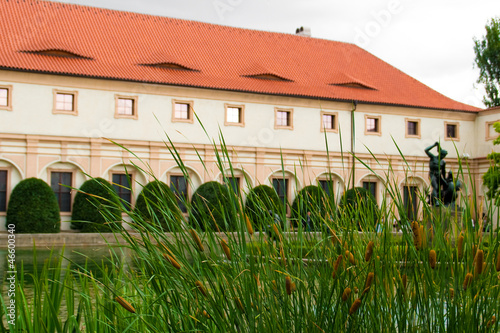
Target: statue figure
444, 188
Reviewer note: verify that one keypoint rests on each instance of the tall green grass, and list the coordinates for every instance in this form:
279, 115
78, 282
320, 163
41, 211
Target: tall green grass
278, 280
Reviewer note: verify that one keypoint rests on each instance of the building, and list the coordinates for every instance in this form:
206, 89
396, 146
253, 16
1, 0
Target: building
73, 77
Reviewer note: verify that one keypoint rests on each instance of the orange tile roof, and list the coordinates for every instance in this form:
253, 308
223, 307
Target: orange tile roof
127, 46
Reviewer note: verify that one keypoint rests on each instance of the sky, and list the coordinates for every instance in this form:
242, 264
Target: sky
430, 40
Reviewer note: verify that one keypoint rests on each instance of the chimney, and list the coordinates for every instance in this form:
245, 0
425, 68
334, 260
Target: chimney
306, 32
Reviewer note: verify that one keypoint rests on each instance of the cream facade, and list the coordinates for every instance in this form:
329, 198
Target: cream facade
41, 136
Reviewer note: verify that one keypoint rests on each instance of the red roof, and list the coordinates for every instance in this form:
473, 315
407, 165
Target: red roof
58, 38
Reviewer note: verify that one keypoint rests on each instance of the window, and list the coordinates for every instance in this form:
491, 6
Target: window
283, 118
281, 187
122, 184
61, 183
412, 128
126, 107
410, 196
65, 102
327, 186
451, 131
178, 185
372, 188
328, 122
491, 134
182, 111
372, 125
6, 98
234, 183
3, 190
234, 115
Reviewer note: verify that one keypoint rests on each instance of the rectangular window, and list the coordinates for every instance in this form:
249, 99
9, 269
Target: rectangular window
281, 187
61, 183
178, 185
491, 133
451, 130
122, 184
283, 118
372, 125
410, 196
126, 107
3, 190
328, 121
234, 115
65, 102
412, 128
234, 183
4, 97
327, 186
182, 111
372, 188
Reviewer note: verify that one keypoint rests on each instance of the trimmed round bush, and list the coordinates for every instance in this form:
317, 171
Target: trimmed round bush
310, 199
359, 203
156, 204
211, 204
33, 208
95, 204
260, 200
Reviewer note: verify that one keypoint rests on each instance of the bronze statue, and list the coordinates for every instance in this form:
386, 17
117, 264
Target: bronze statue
444, 187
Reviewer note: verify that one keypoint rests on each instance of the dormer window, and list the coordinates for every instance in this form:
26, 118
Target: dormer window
271, 77
58, 53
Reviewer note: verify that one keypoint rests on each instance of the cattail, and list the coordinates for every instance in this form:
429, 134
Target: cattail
172, 260
205, 313
432, 259
276, 231
293, 287
369, 251
257, 278
417, 238
336, 265
369, 280
460, 246
452, 292
239, 305
350, 256
491, 322
478, 269
201, 288
467, 280
196, 239
498, 261
226, 249
249, 226
346, 294
356, 290
422, 236
334, 237
288, 285
162, 246
404, 278
274, 286
355, 306
126, 305
474, 250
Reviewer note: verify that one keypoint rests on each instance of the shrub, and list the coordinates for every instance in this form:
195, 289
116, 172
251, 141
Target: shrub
157, 204
359, 204
310, 199
211, 204
88, 213
33, 208
260, 200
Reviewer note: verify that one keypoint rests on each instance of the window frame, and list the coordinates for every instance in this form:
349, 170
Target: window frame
457, 129
7, 189
335, 115
73, 93
287, 127
72, 194
188, 190
419, 128
241, 108
378, 121
488, 134
129, 173
7, 107
190, 118
134, 100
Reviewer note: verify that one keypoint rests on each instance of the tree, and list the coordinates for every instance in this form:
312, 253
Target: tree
488, 61
95, 204
33, 208
491, 178
311, 199
260, 200
211, 205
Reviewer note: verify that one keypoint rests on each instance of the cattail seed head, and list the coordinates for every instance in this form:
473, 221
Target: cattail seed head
126, 305
422, 236
350, 256
288, 285
239, 305
404, 278
417, 238
452, 292
205, 313
201, 288
460, 246
478, 269
432, 259
467, 281
225, 248
172, 260
196, 240
491, 322
369, 251
249, 225
336, 265
276, 231
369, 280
498, 261
355, 306
346, 294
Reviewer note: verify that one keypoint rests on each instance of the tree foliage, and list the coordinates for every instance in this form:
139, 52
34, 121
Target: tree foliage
33, 208
310, 199
211, 205
95, 198
491, 178
359, 204
488, 61
260, 200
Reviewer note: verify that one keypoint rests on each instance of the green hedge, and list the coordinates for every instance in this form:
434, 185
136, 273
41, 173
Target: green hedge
88, 215
157, 204
260, 200
33, 208
310, 199
359, 204
211, 204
